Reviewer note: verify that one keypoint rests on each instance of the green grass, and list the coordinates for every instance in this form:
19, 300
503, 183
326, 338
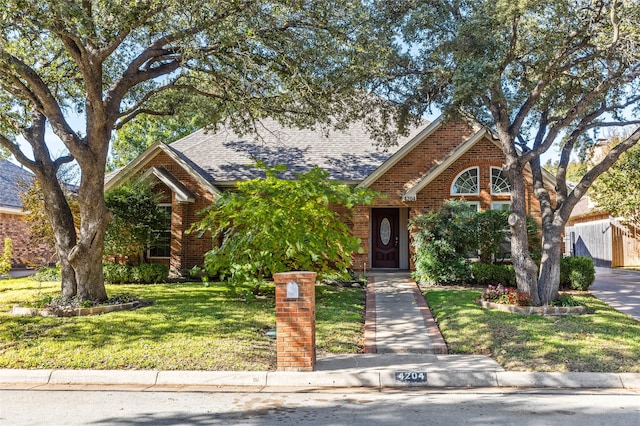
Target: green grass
605, 341
188, 327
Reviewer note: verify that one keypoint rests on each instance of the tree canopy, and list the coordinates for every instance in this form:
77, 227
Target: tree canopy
618, 190
540, 73
111, 61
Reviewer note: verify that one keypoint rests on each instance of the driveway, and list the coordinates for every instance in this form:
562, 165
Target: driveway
619, 288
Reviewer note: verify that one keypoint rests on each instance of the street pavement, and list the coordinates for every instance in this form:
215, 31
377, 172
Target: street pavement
353, 407
619, 288
405, 349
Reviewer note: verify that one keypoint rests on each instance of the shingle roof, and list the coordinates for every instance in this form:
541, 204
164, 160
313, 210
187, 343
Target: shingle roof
348, 155
10, 177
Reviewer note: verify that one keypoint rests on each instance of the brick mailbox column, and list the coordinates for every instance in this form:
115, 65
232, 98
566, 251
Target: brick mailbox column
296, 320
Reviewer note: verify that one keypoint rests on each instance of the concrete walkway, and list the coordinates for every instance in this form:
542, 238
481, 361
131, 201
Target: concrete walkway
619, 288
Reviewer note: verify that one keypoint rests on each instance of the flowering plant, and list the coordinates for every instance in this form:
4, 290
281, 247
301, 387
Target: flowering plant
506, 295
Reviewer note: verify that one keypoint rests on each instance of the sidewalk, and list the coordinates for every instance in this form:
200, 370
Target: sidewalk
404, 349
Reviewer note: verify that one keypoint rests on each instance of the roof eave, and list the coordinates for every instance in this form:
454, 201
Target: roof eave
401, 153
143, 159
412, 193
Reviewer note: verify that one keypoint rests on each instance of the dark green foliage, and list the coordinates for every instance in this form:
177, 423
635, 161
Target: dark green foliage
492, 274
566, 301
445, 240
577, 273
441, 243
136, 213
491, 231
274, 225
48, 274
145, 273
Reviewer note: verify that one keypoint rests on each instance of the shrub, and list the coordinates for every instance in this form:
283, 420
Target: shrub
566, 301
577, 273
441, 243
145, 273
486, 273
48, 274
507, 296
116, 273
151, 273
5, 259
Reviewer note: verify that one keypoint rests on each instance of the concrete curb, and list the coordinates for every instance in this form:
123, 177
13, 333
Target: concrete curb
321, 379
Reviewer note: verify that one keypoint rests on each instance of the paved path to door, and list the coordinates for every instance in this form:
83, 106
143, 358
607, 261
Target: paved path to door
401, 335
619, 288
398, 319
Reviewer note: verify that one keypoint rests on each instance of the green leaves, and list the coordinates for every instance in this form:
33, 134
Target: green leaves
136, 214
618, 190
274, 225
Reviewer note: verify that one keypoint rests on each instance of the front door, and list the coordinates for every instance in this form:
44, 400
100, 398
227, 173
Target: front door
385, 250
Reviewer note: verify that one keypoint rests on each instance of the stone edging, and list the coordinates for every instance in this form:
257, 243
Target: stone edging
437, 341
72, 312
370, 317
535, 310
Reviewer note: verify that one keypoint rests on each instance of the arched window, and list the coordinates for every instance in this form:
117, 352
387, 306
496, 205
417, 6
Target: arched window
499, 182
466, 183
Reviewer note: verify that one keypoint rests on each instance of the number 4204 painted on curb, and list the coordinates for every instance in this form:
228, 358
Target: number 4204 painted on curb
411, 376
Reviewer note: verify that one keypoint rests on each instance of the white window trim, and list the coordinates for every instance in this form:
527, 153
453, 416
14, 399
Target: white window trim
458, 176
149, 249
491, 182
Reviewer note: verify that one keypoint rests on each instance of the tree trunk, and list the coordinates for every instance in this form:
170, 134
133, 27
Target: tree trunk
525, 268
64, 231
86, 256
549, 279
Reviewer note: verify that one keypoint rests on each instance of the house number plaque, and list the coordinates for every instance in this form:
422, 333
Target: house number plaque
411, 376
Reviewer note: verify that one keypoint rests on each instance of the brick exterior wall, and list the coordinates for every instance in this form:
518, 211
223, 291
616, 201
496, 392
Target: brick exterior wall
25, 250
187, 250
417, 164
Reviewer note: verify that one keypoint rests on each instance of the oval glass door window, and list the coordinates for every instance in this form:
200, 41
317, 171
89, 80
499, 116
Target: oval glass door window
385, 231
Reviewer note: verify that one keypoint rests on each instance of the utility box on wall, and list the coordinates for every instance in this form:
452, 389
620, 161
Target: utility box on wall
295, 320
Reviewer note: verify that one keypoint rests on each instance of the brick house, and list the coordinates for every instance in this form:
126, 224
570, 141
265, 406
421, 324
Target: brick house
436, 162
25, 250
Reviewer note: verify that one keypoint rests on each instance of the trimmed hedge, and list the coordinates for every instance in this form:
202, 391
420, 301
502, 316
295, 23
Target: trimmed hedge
145, 273
493, 274
576, 273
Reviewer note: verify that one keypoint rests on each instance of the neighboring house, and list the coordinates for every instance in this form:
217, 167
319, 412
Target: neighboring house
605, 239
434, 163
25, 250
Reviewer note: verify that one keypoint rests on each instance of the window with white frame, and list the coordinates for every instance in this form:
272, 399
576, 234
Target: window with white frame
161, 245
499, 182
466, 183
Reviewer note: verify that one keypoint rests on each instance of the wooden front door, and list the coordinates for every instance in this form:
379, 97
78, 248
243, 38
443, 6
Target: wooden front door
385, 250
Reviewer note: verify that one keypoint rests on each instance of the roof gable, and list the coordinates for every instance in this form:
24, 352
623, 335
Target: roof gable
10, 177
133, 168
412, 192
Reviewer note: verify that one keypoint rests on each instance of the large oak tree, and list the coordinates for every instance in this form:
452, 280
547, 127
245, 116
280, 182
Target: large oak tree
541, 73
111, 61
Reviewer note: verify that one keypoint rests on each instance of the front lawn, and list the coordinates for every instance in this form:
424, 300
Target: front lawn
605, 341
188, 327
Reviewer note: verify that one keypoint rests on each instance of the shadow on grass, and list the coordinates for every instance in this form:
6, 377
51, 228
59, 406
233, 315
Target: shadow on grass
605, 341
